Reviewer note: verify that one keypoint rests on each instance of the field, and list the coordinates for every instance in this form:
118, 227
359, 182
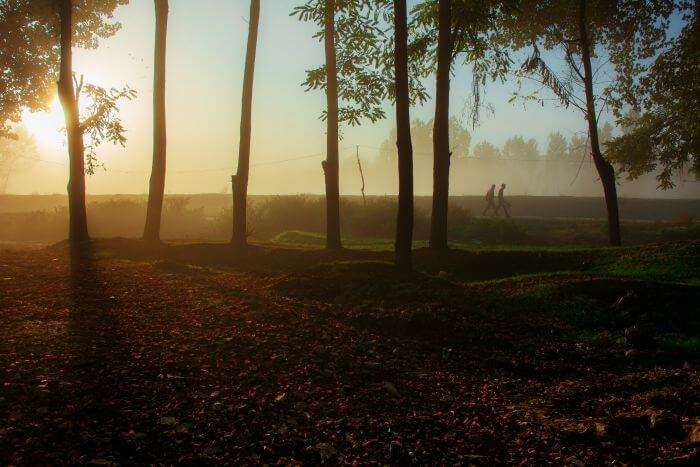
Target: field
207, 218
287, 353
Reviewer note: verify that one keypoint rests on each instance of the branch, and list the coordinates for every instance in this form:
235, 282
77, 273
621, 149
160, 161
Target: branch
572, 64
96, 117
78, 86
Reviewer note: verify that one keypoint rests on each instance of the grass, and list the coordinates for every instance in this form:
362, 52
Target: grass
690, 345
299, 238
673, 262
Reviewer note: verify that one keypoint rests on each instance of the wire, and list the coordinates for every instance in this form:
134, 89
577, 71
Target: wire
307, 156
42, 160
511, 159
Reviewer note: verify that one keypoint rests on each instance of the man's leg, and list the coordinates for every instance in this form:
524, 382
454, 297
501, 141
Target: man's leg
492, 207
505, 209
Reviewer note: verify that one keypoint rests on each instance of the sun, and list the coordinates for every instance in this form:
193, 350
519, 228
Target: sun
47, 127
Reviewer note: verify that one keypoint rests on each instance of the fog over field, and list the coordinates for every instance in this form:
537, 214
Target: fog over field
288, 138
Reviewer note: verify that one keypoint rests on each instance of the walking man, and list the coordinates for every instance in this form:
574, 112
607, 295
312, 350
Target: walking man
490, 195
502, 203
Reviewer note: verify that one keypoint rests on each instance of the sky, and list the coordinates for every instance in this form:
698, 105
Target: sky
205, 60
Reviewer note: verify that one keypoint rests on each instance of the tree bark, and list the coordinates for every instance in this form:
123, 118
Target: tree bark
330, 165
78, 231
604, 168
239, 182
404, 221
156, 187
441, 130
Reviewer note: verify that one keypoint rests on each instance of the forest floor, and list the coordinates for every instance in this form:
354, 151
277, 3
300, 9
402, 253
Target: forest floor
119, 354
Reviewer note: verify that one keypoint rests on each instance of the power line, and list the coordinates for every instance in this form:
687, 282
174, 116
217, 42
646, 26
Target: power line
309, 156
314, 155
507, 159
42, 160
185, 171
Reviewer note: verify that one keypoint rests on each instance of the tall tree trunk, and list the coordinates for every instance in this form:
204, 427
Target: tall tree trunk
604, 168
441, 130
404, 221
330, 165
239, 182
78, 231
156, 187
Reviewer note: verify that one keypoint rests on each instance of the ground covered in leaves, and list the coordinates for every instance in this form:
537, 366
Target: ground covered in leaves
115, 354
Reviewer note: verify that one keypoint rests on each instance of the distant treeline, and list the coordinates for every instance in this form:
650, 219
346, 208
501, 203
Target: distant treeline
561, 167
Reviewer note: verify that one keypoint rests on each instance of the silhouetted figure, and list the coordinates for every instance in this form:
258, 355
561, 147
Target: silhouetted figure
490, 195
502, 201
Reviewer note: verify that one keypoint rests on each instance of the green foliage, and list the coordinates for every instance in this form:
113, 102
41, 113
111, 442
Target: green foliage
364, 55
666, 135
30, 52
102, 123
535, 65
678, 262
477, 41
625, 33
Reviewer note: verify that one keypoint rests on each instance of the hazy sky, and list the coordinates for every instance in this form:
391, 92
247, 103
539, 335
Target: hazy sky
206, 53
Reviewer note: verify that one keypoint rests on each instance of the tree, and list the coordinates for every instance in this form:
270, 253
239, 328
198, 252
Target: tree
606, 133
17, 152
516, 147
441, 130
156, 187
422, 144
463, 28
460, 138
604, 167
239, 182
27, 58
103, 122
555, 165
404, 222
330, 166
579, 147
30, 52
556, 147
486, 150
364, 75
661, 128
629, 32
46, 31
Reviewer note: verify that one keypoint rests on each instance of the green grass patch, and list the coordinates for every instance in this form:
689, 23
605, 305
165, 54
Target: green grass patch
685, 344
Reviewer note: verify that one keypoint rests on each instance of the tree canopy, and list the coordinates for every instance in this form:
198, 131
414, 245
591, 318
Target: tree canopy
364, 53
30, 53
478, 41
662, 130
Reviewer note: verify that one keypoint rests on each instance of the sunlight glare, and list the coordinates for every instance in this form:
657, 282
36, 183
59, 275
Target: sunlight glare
47, 127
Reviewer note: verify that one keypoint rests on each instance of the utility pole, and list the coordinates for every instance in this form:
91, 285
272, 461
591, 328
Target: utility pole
362, 175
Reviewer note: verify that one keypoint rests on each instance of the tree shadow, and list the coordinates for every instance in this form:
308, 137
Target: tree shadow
93, 330
99, 360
